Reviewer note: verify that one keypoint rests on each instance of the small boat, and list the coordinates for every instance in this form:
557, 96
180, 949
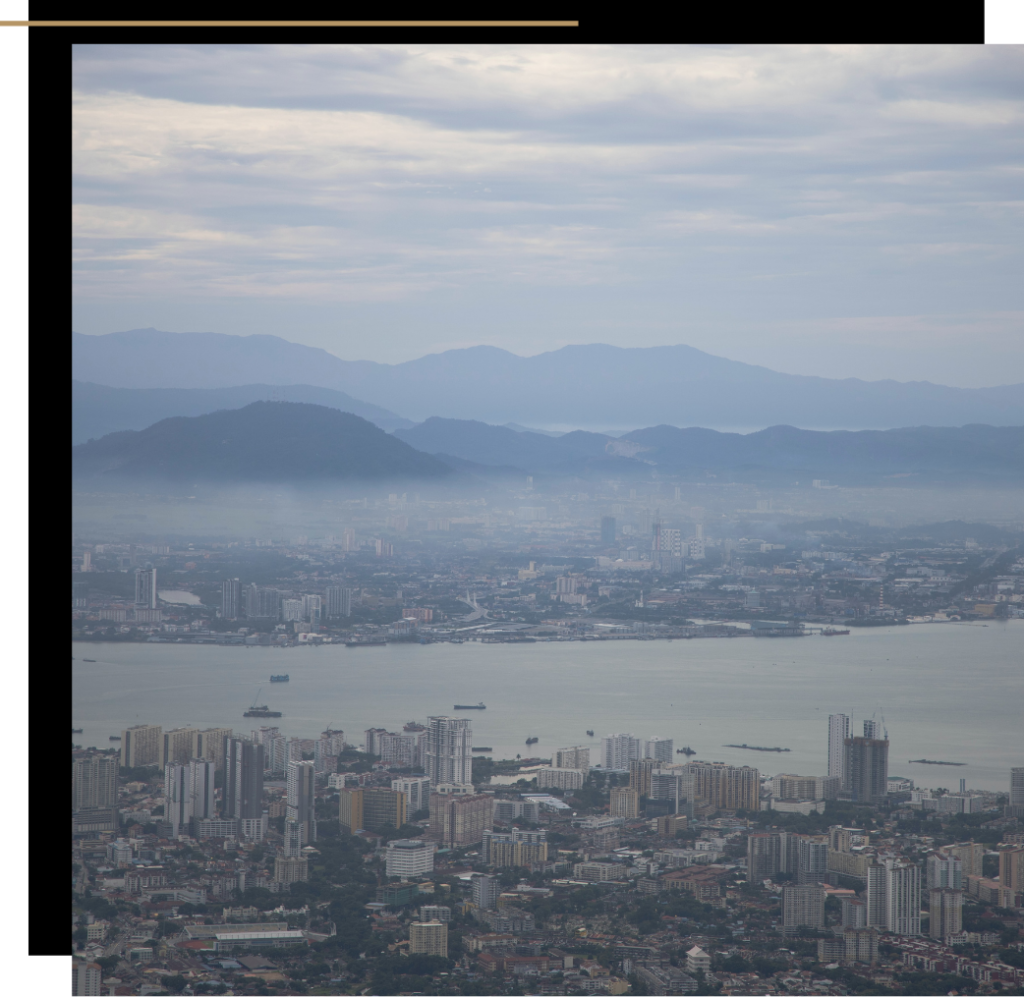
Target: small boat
114, 737
532, 740
91, 661
590, 733
481, 749
460, 706
278, 678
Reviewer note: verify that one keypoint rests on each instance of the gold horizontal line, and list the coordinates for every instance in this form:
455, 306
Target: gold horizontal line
289, 24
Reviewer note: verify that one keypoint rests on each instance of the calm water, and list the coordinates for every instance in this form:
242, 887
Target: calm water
949, 692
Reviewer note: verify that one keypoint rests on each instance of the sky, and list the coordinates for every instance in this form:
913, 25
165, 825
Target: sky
840, 211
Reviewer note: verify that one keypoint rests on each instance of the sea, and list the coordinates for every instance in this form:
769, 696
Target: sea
949, 692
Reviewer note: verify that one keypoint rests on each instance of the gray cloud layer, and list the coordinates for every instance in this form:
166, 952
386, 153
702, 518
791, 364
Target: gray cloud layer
844, 211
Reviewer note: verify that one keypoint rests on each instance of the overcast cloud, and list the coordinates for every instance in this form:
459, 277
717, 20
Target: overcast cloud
837, 211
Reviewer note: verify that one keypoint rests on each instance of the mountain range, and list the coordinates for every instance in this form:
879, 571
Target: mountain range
291, 442
97, 409
970, 454
585, 386
271, 442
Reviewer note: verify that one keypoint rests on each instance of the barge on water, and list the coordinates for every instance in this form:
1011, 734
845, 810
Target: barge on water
278, 678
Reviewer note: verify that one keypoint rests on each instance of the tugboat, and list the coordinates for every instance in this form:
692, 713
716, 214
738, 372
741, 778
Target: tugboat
261, 711
479, 706
278, 678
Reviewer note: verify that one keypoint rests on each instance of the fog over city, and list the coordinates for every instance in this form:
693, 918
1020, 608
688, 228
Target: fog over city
547, 520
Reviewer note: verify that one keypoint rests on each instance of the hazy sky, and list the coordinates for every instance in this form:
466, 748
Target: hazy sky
837, 211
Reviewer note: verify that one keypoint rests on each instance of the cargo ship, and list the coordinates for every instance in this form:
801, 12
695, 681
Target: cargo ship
114, 737
481, 749
460, 706
685, 751
278, 678
830, 632
532, 740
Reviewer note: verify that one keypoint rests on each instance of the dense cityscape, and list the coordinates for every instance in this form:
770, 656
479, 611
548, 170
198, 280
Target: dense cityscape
412, 570
212, 861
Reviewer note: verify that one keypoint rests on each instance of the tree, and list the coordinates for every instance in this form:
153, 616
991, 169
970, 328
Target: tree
175, 984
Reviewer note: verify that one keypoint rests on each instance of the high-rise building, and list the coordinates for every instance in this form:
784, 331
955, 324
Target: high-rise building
300, 806
350, 809
291, 610
618, 750
726, 787
188, 794
291, 869
457, 820
875, 895
449, 750
872, 730
572, 758
812, 859
410, 857
971, 856
230, 599
416, 789
802, 906
1011, 869
660, 749
855, 913
861, 945
94, 782
838, 732
485, 891
145, 587
311, 608
514, 848
383, 808
1017, 790
945, 871
209, 744
178, 746
428, 938
396, 749
370, 736
900, 902
86, 978
867, 769
243, 779
945, 912
142, 745
640, 770
624, 802
262, 603
805, 787
339, 601
770, 853
607, 531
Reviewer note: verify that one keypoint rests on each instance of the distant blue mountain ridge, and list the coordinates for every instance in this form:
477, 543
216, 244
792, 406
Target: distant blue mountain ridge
595, 385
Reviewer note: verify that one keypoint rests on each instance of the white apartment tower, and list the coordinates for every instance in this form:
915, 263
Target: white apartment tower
449, 747
838, 732
618, 750
660, 749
